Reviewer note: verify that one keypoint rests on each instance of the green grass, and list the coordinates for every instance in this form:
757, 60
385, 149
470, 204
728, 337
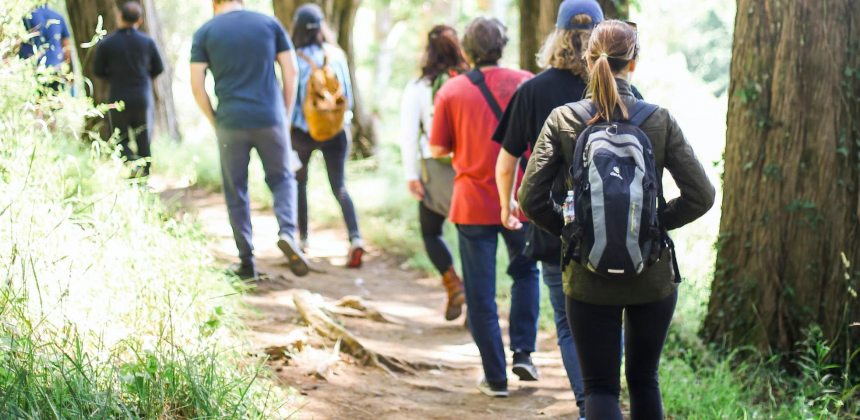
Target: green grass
110, 308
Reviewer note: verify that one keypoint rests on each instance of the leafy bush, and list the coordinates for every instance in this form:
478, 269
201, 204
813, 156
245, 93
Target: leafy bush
109, 307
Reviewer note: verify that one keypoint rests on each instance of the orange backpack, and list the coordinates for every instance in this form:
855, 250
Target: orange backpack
325, 101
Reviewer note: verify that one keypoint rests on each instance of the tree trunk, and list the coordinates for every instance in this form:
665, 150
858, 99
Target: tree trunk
615, 9
789, 249
341, 16
537, 20
162, 87
83, 19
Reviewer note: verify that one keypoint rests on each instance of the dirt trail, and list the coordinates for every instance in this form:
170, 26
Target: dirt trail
343, 390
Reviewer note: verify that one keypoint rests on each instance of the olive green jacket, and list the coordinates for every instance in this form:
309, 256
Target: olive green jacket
554, 152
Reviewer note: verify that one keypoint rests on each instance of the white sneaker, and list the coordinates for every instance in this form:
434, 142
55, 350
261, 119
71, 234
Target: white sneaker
485, 387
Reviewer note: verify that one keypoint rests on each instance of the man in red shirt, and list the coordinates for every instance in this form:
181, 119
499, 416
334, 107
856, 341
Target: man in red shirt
467, 109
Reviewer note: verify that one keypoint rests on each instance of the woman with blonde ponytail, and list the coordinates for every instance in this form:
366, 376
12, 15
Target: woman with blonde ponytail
596, 305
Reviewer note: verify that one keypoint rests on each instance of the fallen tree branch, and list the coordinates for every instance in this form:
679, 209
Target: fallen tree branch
327, 327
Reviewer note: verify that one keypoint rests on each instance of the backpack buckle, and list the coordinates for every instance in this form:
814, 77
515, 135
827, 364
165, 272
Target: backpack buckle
612, 130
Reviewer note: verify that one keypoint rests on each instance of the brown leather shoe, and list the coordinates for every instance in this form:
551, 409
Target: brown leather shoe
456, 295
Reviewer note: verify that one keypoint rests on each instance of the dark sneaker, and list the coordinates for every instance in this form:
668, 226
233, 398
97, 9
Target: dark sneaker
299, 264
356, 251
491, 390
244, 271
524, 368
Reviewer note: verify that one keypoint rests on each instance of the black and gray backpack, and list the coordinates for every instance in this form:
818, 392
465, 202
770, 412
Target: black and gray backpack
618, 231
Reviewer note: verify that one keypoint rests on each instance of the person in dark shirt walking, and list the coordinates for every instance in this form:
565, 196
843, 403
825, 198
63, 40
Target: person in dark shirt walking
129, 60
240, 48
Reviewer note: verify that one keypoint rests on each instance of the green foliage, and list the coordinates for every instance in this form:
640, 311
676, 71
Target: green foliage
109, 306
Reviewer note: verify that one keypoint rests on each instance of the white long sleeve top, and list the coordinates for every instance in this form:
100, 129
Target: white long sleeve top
416, 118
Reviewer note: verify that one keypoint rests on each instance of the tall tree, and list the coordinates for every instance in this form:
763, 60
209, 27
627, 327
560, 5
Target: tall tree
537, 20
83, 19
789, 249
340, 14
615, 9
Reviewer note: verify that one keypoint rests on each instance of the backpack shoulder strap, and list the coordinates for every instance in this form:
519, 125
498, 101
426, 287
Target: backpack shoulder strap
306, 58
640, 112
476, 76
584, 110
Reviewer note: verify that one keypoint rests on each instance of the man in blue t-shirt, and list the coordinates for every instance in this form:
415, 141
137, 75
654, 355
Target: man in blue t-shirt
49, 40
240, 49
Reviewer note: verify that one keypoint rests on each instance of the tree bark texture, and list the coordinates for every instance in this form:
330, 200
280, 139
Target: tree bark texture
789, 249
340, 15
83, 19
537, 20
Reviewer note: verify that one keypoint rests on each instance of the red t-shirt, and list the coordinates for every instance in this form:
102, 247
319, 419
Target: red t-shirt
464, 123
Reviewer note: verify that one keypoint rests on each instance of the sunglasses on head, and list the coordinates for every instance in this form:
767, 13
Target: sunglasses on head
633, 26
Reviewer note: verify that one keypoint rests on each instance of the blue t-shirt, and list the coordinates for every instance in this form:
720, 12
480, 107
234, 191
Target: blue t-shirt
50, 29
240, 48
337, 61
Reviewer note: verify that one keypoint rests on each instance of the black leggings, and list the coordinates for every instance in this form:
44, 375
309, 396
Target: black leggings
431, 230
597, 334
334, 153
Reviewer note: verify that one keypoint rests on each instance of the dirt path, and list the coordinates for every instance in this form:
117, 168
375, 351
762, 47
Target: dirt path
344, 390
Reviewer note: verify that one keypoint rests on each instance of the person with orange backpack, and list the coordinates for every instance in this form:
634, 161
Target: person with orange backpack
320, 118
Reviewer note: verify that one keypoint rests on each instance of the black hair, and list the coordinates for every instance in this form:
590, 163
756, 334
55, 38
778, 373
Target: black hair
131, 12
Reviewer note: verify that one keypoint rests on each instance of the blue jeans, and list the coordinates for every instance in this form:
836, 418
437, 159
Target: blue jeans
478, 253
552, 277
273, 147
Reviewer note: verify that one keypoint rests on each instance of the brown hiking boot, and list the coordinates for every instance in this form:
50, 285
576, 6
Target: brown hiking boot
456, 295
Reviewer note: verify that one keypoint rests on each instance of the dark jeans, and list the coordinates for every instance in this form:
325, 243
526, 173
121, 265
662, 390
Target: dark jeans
478, 253
552, 277
431, 230
273, 147
134, 122
334, 152
597, 334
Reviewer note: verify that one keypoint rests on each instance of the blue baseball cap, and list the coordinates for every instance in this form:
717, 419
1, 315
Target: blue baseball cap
571, 8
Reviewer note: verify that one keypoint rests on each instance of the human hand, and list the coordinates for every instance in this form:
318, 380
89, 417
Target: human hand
416, 189
510, 216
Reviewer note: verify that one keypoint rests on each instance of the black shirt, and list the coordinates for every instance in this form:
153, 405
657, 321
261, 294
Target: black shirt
522, 122
531, 105
129, 60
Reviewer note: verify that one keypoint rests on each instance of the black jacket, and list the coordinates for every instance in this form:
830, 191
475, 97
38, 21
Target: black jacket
129, 60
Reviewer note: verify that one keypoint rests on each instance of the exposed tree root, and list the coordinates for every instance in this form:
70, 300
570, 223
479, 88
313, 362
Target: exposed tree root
354, 306
327, 327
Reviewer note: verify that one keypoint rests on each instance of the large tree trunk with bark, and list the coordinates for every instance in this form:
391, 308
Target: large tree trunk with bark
789, 249
537, 20
83, 19
340, 14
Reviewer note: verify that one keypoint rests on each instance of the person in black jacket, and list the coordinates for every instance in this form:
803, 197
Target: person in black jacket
563, 81
129, 60
597, 307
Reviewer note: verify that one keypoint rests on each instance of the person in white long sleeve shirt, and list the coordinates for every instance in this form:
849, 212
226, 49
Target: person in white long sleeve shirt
428, 180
